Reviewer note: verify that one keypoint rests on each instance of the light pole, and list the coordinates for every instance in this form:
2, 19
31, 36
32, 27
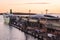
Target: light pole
29, 15
29, 12
46, 11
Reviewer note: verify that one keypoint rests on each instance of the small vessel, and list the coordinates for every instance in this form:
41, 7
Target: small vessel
6, 18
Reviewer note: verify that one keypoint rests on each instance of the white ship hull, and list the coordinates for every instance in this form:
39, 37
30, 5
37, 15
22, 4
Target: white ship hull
6, 18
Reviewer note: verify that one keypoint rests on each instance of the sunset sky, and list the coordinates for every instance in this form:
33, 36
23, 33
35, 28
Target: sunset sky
36, 6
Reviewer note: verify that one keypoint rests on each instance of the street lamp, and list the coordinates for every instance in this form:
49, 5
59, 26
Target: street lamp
28, 17
29, 12
46, 11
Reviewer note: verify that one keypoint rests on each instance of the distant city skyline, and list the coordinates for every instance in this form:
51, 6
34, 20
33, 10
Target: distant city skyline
36, 6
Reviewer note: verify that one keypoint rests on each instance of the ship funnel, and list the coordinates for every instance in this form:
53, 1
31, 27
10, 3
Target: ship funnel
10, 11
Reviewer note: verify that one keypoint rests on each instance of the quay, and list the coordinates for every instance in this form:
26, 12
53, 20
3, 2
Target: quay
43, 28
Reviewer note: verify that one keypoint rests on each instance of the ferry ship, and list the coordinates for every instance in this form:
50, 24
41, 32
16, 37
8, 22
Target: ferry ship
40, 24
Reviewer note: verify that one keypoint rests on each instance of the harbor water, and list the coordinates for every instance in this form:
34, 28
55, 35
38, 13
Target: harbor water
10, 33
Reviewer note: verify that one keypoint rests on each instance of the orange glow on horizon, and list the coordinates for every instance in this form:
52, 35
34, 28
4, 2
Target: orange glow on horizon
36, 6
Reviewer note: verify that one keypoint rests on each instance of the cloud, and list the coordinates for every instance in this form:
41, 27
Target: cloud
38, 3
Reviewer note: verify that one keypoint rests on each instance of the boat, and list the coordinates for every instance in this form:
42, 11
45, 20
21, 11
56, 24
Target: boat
6, 18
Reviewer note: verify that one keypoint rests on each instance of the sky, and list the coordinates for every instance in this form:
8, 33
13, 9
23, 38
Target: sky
36, 6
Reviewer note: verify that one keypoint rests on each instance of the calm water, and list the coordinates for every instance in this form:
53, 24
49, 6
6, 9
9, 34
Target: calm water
11, 33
